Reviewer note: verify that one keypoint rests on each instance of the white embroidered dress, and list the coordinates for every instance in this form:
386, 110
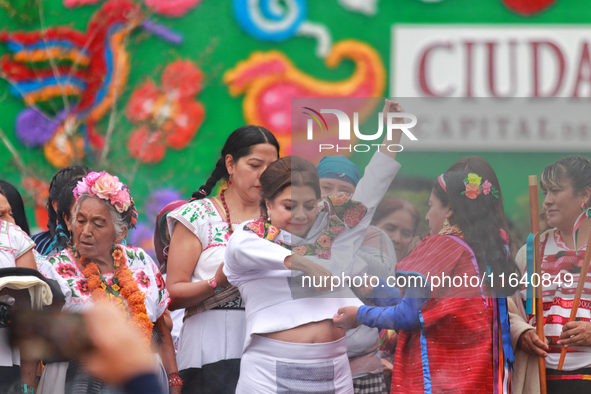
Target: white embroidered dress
217, 334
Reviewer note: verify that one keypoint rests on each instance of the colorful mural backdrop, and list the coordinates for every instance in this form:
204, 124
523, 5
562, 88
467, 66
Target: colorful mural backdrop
150, 89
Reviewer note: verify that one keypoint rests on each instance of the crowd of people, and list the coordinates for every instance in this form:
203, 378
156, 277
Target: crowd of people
242, 297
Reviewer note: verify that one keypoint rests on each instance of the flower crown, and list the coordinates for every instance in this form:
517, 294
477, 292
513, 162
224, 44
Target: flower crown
107, 187
473, 186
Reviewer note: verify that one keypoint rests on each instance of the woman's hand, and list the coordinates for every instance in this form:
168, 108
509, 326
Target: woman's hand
389, 107
220, 278
387, 367
346, 318
174, 390
530, 343
575, 333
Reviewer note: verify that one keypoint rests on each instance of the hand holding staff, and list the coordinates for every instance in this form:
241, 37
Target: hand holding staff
579, 292
534, 210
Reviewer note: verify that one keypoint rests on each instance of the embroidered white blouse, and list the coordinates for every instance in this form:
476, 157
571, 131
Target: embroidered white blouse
204, 220
14, 243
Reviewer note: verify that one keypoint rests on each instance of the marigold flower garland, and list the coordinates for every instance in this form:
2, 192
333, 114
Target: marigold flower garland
125, 285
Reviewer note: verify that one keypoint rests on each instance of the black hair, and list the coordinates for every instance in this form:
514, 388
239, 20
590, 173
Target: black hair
59, 181
481, 226
574, 169
16, 204
238, 145
64, 206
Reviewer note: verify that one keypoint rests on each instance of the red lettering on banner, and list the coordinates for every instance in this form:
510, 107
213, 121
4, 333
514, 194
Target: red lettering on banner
584, 62
469, 65
423, 71
536, 62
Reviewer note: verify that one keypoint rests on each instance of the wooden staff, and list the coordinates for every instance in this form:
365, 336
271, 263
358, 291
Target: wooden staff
573, 311
534, 210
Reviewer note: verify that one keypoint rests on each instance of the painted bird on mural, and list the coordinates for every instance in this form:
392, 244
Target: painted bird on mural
69, 79
269, 80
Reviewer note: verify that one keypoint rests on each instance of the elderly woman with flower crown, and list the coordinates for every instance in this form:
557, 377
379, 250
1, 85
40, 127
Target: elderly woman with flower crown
96, 267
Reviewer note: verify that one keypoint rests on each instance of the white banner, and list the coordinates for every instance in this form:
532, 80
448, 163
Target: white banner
538, 62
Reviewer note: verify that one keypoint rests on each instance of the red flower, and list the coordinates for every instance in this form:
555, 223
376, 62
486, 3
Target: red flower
472, 191
159, 281
66, 270
173, 114
324, 241
142, 279
82, 286
323, 254
354, 215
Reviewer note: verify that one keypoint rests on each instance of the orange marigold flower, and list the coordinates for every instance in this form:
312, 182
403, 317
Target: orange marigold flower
93, 282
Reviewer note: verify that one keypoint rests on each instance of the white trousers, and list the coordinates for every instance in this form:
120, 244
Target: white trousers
277, 367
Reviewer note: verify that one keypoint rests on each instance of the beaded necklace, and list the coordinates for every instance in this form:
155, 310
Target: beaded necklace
228, 220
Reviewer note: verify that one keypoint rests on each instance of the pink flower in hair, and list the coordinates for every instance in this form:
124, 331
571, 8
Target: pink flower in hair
121, 200
80, 189
486, 187
106, 186
92, 177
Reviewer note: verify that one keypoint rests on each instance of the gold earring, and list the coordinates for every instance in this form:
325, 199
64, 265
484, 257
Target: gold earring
446, 224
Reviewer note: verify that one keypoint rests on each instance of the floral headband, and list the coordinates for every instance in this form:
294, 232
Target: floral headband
107, 187
473, 186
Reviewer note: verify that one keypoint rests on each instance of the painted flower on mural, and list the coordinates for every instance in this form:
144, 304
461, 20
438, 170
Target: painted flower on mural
167, 115
528, 7
172, 8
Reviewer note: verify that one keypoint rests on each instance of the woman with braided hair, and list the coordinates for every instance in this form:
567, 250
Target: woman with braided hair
46, 240
213, 333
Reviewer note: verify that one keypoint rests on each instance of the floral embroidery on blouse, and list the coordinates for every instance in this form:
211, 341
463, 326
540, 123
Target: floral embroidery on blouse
343, 213
144, 271
199, 213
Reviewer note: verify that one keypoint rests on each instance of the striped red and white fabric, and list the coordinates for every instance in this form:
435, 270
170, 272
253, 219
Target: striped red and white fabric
558, 260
